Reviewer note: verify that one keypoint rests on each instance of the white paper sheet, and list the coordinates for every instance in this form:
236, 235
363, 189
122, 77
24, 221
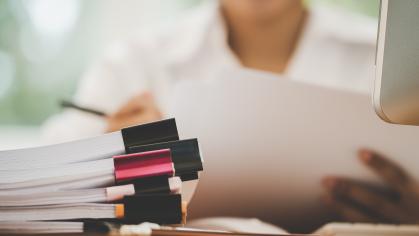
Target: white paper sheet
268, 141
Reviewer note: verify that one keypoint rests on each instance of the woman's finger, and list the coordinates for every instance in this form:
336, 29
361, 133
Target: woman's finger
347, 212
367, 200
393, 174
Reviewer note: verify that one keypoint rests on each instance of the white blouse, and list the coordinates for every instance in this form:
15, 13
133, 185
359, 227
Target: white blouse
337, 50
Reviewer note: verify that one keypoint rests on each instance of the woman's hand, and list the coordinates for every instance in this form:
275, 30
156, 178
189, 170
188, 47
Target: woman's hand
358, 202
138, 110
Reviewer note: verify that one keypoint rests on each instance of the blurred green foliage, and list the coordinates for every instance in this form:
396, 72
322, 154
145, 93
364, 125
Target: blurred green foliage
37, 88
368, 7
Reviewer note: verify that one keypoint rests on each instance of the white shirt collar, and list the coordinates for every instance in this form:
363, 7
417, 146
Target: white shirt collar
206, 26
193, 31
342, 25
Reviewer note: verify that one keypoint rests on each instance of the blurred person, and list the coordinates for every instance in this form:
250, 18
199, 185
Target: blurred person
132, 83
332, 48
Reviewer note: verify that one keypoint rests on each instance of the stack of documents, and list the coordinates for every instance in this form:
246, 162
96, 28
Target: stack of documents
131, 176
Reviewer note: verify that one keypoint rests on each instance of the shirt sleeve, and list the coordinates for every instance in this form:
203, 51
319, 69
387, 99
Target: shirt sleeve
106, 86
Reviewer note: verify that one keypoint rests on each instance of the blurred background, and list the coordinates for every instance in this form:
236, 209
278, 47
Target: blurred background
45, 46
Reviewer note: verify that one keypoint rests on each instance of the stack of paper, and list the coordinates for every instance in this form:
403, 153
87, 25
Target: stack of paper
131, 176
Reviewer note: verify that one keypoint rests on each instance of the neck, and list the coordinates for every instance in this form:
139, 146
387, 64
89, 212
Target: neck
266, 44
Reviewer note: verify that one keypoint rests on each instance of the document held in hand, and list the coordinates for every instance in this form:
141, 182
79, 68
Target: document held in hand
281, 137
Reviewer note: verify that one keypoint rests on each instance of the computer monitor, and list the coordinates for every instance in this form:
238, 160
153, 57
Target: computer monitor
396, 90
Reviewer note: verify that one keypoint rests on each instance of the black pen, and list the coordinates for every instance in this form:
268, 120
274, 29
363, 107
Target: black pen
67, 104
